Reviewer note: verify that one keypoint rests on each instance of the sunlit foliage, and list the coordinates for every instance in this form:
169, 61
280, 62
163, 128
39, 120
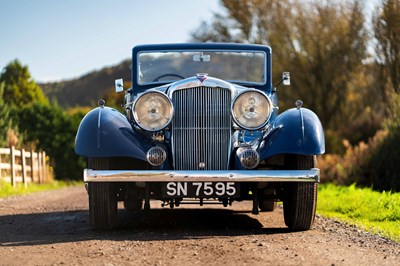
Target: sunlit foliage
20, 90
5, 121
53, 131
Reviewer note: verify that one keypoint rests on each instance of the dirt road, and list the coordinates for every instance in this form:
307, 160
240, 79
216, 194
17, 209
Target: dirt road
52, 228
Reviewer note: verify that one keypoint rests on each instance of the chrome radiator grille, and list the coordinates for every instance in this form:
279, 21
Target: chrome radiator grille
201, 128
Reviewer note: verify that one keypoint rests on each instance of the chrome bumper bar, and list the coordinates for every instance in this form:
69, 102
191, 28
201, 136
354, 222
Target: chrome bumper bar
312, 175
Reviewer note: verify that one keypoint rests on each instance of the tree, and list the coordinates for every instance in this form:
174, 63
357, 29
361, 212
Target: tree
322, 43
384, 167
5, 121
387, 33
20, 89
53, 131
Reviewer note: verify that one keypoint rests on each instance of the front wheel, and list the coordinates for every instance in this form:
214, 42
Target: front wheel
300, 199
103, 207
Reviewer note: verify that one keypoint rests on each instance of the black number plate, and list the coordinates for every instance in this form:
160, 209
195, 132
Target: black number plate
201, 189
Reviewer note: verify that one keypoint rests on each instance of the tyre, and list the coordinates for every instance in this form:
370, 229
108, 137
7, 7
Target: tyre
300, 199
103, 208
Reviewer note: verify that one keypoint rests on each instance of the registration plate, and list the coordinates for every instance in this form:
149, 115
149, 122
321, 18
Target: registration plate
201, 189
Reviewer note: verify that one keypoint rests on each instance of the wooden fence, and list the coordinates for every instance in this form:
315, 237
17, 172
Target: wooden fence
20, 166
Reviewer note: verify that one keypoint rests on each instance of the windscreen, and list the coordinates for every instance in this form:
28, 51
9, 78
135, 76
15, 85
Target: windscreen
234, 66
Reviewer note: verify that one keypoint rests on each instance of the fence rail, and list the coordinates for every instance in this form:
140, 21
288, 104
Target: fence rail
20, 166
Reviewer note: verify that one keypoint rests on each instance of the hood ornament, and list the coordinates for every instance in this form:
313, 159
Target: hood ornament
101, 103
299, 104
201, 76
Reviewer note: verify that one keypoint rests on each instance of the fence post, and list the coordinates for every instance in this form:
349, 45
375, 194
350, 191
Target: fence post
44, 167
32, 166
40, 167
23, 162
12, 166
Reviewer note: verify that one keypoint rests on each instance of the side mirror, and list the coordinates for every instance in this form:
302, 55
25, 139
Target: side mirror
119, 85
286, 78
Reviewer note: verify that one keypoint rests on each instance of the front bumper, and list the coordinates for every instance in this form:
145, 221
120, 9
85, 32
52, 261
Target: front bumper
312, 175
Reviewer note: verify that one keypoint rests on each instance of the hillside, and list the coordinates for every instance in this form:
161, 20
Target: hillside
87, 89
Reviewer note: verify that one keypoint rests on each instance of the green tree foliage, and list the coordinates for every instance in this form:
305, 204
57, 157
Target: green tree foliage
41, 125
54, 131
5, 121
387, 33
20, 89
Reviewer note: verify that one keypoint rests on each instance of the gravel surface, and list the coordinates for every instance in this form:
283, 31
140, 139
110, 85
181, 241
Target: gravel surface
52, 228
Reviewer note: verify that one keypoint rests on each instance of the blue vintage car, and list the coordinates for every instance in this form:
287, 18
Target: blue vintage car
201, 124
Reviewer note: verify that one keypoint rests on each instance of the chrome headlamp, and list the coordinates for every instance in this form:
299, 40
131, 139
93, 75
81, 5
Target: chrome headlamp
251, 109
152, 110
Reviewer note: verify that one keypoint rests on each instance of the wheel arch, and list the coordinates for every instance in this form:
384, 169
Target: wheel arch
105, 132
295, 131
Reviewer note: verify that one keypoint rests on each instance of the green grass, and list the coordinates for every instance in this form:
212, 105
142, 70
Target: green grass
377, 212
7, 190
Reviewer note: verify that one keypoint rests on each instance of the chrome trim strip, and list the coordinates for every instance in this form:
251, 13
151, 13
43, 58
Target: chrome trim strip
302, 125
193, 82
312, 175
99, 128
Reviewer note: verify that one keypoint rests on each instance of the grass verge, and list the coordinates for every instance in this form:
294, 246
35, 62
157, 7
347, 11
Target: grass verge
6, 189
377, 212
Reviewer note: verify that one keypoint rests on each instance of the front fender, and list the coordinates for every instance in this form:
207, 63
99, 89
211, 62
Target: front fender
105, 132
295, 131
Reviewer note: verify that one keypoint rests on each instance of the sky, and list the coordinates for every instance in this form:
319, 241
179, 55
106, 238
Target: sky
65, 39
